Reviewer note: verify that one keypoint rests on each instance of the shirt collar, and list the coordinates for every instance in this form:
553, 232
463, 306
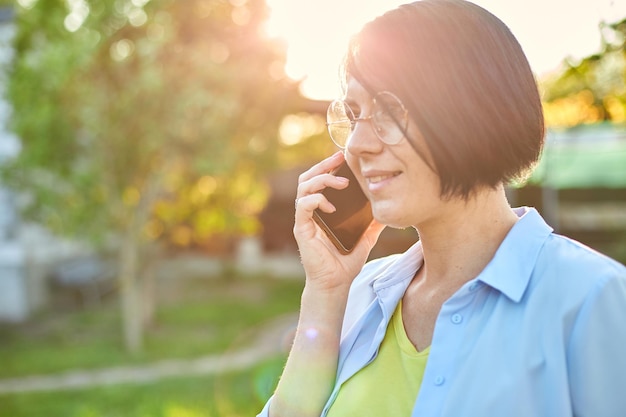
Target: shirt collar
402, 270
511, 267
390, 283
508, 272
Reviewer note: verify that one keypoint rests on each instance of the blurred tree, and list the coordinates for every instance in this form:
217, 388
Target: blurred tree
593, 89
143, 119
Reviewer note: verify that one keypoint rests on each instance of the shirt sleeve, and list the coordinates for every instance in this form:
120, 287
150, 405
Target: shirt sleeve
596, 355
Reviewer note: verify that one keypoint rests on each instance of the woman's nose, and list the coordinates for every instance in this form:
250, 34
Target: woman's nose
363, 138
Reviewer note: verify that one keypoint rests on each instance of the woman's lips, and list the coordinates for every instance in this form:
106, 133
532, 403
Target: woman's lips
379, 179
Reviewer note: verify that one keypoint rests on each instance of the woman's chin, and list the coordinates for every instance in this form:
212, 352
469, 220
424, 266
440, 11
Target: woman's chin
389, 216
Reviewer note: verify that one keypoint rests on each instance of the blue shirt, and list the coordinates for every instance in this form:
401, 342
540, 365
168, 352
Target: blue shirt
541, 331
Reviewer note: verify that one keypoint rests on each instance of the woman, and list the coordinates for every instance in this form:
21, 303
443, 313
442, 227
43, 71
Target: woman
490, 313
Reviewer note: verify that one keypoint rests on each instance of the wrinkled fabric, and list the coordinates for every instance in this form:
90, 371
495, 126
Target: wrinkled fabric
539, 332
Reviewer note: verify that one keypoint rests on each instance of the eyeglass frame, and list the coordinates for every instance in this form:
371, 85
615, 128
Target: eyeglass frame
401, 124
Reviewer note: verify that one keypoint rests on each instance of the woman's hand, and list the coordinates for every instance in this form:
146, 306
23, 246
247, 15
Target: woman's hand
326, 268
311, 368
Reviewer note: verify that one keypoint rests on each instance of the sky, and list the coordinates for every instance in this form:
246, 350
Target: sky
317, 32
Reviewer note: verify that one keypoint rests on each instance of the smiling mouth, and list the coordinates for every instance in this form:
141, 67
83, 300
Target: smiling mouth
380, 178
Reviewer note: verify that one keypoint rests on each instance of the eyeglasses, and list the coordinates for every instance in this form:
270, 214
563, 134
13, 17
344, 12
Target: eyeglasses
389, 119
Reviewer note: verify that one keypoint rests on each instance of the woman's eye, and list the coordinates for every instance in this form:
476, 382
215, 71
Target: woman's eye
389, 110
396, 112
355, 113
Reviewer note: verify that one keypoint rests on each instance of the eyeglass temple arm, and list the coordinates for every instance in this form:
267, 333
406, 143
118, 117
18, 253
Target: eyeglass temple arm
353, 121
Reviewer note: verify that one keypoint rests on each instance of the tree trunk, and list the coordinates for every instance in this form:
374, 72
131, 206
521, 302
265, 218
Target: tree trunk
134, 309
131, 299
148, 293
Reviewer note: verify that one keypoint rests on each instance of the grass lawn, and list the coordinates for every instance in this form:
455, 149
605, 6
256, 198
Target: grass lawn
232, 395
194, 317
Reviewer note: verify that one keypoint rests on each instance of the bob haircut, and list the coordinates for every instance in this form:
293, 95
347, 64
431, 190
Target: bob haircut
466, 83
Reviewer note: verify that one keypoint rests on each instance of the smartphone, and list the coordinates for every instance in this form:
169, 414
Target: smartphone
347, 224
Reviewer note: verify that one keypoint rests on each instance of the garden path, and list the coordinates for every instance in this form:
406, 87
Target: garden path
272, 339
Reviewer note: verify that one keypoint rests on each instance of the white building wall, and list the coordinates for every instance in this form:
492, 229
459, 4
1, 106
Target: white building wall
14, 300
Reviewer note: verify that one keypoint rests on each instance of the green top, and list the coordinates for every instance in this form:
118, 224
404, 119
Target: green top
388, 386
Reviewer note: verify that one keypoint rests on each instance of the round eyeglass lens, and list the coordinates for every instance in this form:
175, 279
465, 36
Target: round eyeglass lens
389, 117
339, 119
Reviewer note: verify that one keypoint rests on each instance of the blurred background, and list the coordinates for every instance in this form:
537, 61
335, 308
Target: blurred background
149, 155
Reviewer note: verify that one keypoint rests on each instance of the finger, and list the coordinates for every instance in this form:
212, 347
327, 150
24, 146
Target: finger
305, 206
319, 183
322, 167
305, 226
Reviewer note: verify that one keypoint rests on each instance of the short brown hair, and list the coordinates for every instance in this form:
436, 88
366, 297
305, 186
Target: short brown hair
466, 83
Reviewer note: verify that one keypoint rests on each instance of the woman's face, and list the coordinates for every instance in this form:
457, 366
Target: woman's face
402, 189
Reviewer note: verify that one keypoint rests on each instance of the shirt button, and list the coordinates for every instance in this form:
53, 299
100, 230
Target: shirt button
456, 318
439, 380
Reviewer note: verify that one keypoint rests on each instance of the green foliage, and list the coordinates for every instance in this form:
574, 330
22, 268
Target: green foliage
592, 89
129, 104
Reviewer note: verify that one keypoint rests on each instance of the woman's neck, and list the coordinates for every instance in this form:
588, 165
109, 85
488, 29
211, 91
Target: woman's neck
465, 236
